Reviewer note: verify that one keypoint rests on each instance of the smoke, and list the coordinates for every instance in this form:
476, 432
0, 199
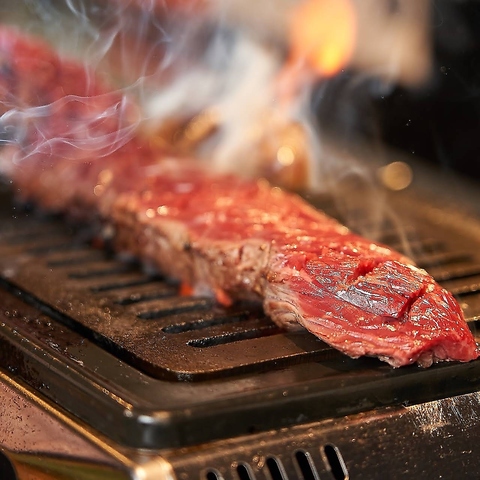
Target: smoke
192, 77
41, 131
173, 72
64, 97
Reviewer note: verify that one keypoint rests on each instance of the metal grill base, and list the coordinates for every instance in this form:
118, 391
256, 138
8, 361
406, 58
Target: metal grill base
435, 440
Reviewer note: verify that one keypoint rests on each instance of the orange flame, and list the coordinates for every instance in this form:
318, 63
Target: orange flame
322, 33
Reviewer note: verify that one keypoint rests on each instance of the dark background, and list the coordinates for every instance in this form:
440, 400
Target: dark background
439, 122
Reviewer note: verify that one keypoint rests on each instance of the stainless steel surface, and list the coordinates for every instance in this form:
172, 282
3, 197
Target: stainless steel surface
40, 441
430, 440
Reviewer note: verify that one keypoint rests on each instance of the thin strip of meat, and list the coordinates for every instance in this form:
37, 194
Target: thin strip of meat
237, 239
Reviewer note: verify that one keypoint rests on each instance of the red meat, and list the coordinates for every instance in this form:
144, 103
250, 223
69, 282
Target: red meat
240, 239
229, 237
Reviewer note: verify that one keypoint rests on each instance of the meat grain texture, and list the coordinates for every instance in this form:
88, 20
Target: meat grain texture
226, 236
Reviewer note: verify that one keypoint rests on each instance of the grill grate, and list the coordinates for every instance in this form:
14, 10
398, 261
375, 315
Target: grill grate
144, 320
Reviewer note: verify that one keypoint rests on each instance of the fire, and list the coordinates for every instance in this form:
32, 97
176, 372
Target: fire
322, 34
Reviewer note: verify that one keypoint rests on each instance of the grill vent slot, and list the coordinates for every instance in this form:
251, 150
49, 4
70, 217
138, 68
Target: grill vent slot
275, 468
245, 472
118, 285
213, 475
456, 272
443, 259
6, 468
88, 257
50, 247
203, 323
334, 462
305, 463
146, 297
224, 339
190, 305
116, 269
